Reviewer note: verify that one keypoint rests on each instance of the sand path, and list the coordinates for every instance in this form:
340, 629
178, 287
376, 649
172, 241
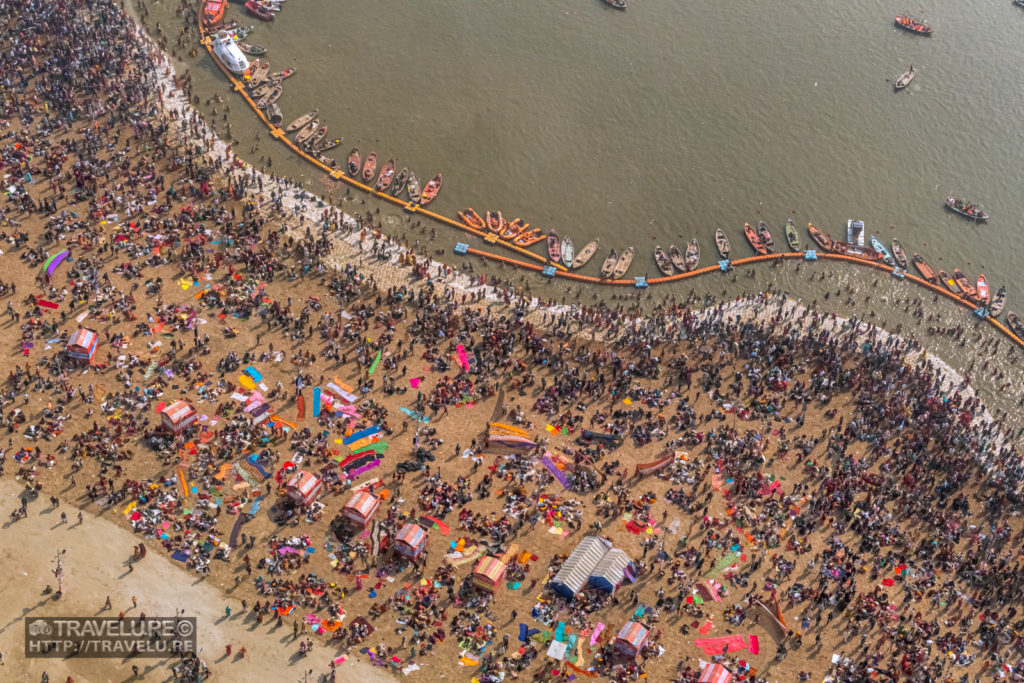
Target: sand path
95, 566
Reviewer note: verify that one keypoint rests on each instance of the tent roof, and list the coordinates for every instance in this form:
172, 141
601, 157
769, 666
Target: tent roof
575, 571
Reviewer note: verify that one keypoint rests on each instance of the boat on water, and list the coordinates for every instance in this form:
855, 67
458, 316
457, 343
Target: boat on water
262, 90
856, 251
903, 80
926, 270
792, 236
370, 167
414, 190
281, 75
913, 25
431, 189
877, 245
663, 261
213, 11
259, 11
554, 247
766, 236
328, 144
472, 219
398, 187
692, 257
677, 258
966, 286
511, 229
230, 55
722, 244
494, 221
302, 121
528, 238
623, 264
949, 282
273, 96
318, 136
900, 254
982, 288
822, 239
258, 73
586, 253
353, 162
617, 4
306, 133
387, 174
998, 303
755, 240
568, 251
252, 50
1015, 324
966, 209
609, 264
274, 115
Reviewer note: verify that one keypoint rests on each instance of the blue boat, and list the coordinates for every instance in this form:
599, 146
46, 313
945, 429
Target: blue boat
880, 248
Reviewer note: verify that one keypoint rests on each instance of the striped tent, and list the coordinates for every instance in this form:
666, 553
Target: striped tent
361, 508
631, 639
488, 573
610, 570
304, 487
82, 345
178, 416
575, 571
714, 673
411, 541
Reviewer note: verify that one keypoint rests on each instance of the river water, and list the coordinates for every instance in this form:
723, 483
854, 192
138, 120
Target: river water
669, 120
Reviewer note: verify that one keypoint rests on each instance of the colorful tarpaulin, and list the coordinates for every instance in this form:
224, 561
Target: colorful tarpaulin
736, 643
54, 261
652, 467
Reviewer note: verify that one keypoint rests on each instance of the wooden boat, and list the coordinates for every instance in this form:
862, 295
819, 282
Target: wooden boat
677, 258
1015, 324
903, 80
755, 240
274, 115
261, 90
982, 289
587, 253
663, 261
306, 133
926, 270
623, 264
949, 282
252, 50
317, 138
900, 254
259, 11
617, 4
856, 251
692, 255
766, 236
431, 189
820, 238
257, 73
966, 208
472, 219
414, 188
398, 187
609, 264
554, 247
273, 96
302, 121
722, 244
329, 144
792, 236
387, 174
281, 75
880, 248
568, 251
353, 162
370, 167
913, 25
509, 229
965, 284
998, 303
528, 238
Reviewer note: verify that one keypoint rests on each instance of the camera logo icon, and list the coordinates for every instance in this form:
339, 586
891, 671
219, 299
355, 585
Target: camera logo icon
39, 627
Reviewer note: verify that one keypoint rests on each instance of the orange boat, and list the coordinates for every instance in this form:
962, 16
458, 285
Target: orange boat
431, 190
514, 228
369, 167
755, 239
913, 25
527, 238
966, 286
472, 219
495, 222
213, 11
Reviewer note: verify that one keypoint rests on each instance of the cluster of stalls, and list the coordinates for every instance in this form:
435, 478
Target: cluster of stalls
409, 542
594, 562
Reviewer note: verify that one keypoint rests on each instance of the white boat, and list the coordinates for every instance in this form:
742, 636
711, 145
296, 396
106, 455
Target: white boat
568, 252
855, 232
229, 54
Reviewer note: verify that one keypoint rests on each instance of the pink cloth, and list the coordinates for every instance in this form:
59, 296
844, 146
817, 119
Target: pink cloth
716, 646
